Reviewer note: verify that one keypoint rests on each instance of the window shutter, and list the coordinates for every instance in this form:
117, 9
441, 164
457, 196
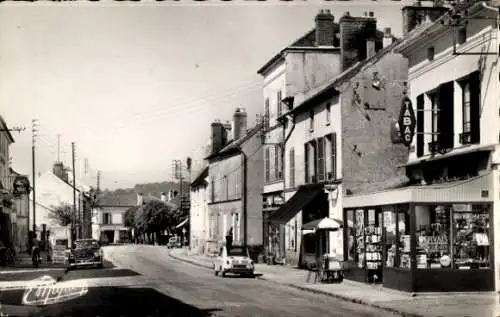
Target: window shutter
334, 155
315, 161
445, 117
267, 164
306, 163
420, 125
475, 106
321, 159
292, 168
280, 107
276, 162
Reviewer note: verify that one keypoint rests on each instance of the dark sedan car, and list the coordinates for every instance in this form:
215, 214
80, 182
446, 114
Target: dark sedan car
85, 252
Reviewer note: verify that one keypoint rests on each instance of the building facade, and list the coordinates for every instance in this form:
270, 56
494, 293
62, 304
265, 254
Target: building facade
198, 213
234, 171
7, 206
108, 224
316, 127
440, 232
302, 66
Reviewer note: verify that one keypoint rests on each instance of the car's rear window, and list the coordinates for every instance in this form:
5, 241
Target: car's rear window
237, 252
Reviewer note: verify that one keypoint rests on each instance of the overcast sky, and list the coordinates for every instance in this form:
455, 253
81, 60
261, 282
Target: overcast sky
137, 85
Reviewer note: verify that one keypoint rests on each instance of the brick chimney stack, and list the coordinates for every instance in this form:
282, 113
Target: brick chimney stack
325, 33
416, 15
354, 35
219, 136
240, 123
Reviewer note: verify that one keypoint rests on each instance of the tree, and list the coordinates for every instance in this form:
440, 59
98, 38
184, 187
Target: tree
62, 214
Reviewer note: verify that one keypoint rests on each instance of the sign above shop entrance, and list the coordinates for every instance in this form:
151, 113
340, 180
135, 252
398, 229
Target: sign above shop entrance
407, 121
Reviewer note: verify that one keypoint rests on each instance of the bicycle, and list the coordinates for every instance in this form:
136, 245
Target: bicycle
10, 257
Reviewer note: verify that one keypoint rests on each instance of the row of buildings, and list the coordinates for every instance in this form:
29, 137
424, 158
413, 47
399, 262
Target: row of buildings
398, 138
53, 189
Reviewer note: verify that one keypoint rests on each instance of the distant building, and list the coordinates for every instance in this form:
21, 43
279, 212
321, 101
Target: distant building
235, 181
7, 208
198, 213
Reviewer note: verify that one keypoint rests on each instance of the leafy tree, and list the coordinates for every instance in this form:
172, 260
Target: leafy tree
62, 214
129, 217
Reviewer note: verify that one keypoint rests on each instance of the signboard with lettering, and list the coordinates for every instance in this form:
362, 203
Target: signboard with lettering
407, 121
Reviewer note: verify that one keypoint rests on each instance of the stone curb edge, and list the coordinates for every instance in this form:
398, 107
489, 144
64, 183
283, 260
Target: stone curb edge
314, 291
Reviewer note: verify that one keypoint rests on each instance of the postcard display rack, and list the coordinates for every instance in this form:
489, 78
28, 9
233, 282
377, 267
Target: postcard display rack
369, 245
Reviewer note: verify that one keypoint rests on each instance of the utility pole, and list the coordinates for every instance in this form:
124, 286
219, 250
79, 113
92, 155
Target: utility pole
34, 130
58, 148
74, 187
98, 181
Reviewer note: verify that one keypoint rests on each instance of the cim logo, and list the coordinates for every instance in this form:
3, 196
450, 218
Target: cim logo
407, 121
45, 291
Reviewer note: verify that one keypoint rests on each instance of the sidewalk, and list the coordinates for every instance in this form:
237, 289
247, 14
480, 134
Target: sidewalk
402, 303
24, 263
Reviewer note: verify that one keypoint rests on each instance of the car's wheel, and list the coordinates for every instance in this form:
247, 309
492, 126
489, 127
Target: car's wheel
99, 266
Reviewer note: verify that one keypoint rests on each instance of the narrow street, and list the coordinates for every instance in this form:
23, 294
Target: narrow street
161, 286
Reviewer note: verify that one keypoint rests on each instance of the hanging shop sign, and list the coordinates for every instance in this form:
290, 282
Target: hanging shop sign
407, 121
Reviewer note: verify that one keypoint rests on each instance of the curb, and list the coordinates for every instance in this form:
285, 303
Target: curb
314, 291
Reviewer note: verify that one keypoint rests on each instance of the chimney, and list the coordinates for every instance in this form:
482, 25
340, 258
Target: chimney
325, 33
354, 35
219, 136
240, 123
163, 197
370, 47
228, 126
58, 170
416, 15
387, 37
140, 199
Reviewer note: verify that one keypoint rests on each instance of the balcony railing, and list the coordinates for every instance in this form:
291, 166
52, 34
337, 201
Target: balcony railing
465, 138
433, 147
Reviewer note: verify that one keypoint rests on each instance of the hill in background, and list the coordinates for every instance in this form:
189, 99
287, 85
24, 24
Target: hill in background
128, 196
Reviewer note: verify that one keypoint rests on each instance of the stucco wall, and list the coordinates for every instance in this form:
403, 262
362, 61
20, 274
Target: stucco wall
370, 161
426, 75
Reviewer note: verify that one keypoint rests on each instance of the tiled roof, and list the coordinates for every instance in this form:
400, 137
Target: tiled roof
199, 179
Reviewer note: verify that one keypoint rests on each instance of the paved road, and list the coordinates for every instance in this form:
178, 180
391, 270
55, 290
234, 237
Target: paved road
167, 287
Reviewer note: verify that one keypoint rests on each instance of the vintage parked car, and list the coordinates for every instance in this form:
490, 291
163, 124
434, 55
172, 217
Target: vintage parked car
85, 252
235, 260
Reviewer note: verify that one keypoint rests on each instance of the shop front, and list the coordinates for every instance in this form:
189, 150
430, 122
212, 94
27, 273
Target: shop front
308, 203
432, 238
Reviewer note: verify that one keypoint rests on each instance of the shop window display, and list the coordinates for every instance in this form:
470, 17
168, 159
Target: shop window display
471, 232
373, 245
404, 242
390, 237
359, 225
433, 237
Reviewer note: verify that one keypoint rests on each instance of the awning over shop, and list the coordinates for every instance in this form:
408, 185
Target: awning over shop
476, 189
182, 223
303, 196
